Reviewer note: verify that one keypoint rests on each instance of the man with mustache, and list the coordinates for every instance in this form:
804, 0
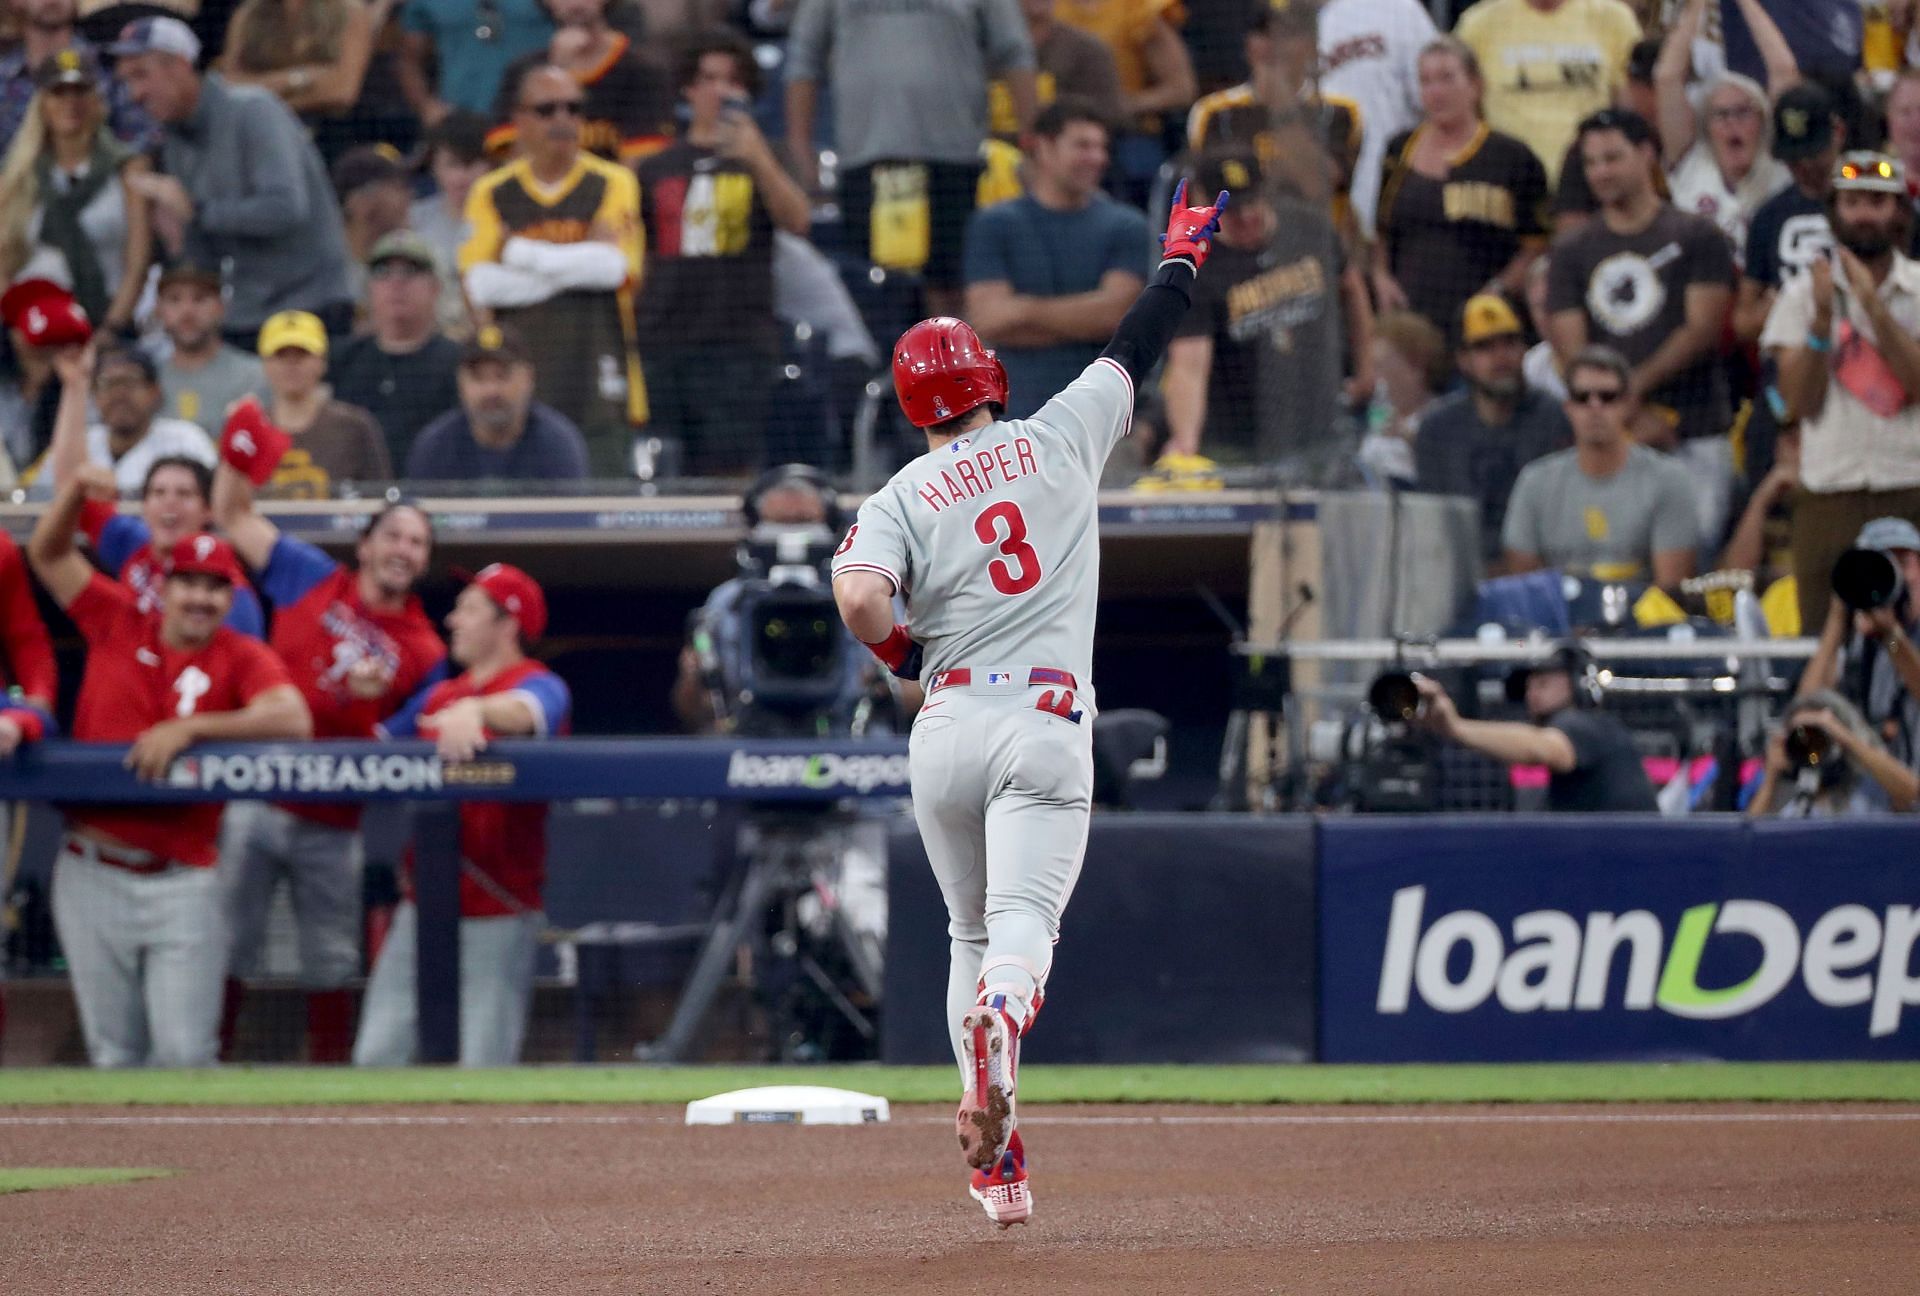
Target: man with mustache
1843, 336
136, 896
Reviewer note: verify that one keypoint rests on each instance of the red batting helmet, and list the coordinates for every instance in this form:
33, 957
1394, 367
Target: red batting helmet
940, 371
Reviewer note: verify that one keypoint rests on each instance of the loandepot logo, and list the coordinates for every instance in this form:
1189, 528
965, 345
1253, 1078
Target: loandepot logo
1561, 963
825, 772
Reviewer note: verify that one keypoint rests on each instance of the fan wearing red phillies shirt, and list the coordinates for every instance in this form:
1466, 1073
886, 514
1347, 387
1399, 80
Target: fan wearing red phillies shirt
26, 674
503, 847
358, 645
176, 501
135, 897
26, 657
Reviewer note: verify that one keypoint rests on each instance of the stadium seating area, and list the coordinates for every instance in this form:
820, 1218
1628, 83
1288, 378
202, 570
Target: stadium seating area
1625, 283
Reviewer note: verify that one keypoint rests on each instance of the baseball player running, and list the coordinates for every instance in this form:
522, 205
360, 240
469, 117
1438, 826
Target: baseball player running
134, 895
359, 646
992, 537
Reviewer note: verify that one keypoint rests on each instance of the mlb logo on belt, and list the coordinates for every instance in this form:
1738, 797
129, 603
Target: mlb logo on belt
999, 677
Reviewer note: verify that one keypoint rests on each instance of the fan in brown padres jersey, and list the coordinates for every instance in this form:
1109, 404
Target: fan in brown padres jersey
1463, 207
628, 108
1306, 141
554, 249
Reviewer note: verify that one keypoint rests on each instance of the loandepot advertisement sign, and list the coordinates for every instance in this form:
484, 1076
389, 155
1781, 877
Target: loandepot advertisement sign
820, 772
1531, 940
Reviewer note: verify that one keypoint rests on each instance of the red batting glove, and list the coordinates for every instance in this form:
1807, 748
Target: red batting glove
898, 653
1190, 228
251, 443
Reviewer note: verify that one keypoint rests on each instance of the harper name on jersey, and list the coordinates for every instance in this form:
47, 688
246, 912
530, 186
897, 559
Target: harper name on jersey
994, 540
972, 472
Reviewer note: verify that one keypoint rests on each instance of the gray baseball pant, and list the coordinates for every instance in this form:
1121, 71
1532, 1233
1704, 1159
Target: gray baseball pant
496, 989
1002, 792
262, 844
146, 954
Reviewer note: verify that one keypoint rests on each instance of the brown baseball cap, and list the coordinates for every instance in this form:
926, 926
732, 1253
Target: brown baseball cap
69, 67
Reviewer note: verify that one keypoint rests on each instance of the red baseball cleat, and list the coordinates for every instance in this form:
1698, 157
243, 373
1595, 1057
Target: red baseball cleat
990, 1043
1003, 1192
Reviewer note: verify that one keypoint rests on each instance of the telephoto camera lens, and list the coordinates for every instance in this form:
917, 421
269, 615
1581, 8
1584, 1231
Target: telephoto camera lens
1866, 579
1808, 747
1394, 697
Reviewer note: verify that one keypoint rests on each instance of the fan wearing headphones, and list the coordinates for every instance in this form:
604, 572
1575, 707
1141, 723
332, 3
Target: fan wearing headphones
1591, 761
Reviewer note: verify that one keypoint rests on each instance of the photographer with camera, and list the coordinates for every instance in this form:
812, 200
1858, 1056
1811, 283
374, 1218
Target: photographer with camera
766, 654
1867, 643
1815, 760
1591, 761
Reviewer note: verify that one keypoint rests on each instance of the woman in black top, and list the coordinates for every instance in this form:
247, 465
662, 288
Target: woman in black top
1462, 207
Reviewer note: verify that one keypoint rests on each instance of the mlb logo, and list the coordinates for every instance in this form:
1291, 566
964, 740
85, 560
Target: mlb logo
999, 677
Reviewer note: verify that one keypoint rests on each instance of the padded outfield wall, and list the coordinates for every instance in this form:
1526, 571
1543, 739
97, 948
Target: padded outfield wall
1517, 939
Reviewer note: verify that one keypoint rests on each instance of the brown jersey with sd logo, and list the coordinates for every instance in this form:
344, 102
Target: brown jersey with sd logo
586, 364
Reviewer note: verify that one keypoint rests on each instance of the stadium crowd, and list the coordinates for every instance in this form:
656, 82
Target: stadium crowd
1632, 278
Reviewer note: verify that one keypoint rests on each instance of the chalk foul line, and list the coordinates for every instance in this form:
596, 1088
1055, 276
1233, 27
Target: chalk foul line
1784, 1116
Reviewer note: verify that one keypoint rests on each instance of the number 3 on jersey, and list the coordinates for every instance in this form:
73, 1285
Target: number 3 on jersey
1023, 572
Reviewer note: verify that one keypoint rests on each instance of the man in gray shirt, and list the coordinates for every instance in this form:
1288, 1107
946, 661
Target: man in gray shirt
244, 188
909, 116
1609, 507
200, 374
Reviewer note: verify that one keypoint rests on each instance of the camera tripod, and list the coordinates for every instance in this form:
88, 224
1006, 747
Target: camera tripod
783, 905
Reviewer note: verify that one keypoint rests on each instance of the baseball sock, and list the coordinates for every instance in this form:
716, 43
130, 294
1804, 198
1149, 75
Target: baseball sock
329, 1025
963, 991
1019, 948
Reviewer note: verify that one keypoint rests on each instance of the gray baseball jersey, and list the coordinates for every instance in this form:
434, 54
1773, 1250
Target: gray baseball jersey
995, 539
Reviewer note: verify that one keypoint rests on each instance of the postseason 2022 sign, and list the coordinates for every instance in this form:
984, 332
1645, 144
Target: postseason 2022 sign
1588, 938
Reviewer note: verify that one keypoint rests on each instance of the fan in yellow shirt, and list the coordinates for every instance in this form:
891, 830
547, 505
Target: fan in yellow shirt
1549, 64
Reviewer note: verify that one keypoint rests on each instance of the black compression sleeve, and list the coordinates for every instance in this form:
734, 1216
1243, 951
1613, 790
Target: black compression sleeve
1149, 323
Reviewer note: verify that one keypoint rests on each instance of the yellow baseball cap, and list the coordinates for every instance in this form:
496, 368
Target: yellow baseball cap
297, 329
1486, 316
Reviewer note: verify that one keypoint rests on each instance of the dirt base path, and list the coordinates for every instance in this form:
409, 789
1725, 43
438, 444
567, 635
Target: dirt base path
1486, 1201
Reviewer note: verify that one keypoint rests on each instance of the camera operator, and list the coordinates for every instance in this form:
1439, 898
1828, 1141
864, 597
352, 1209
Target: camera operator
1590, 757
766, 654
1818, 754
1867, 644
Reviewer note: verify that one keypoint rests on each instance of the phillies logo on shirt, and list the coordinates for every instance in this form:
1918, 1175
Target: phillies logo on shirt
354, 641
142, 576
191, 684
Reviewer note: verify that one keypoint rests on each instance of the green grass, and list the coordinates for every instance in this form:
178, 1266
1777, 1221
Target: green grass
14, 1180
1625, 1082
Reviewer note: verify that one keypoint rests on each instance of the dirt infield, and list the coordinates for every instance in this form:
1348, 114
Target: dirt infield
1615, 1200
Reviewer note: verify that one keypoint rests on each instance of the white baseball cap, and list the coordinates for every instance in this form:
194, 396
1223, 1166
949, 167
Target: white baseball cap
1888, 533
157, 35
